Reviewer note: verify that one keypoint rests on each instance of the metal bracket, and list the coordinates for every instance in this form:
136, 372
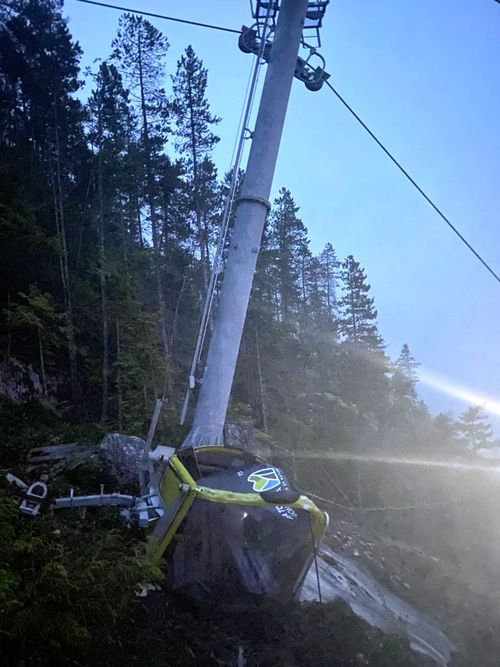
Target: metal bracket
312, 77
258, 200
12, 479
34, 496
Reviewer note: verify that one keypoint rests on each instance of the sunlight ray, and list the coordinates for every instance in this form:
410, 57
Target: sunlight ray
450, 388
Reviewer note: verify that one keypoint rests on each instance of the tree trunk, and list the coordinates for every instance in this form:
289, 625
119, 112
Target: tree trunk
123, 234
42, 362
202, 241
119, 377
64, 265
262, 394
104, 296
9, 334
139, 222
328, 288
152, 212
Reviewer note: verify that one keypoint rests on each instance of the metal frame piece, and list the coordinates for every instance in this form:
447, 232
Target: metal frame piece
312, 77
35, 494
262, 9
314, 19
250, 41
188, 491
143, 510
172, 491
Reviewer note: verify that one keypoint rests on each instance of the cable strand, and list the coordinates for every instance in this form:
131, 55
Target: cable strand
415, 184
159, 16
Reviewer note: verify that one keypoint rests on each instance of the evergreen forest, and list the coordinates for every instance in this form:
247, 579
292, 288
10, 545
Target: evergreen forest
110, 211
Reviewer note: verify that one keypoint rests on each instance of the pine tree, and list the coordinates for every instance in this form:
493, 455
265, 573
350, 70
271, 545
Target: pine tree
329, 278
139, 50
474, 428
407, 424
405, 374
314, 303
445, 431
357, 323
39, 63
110, 115
287, 244
195, 142
43, 129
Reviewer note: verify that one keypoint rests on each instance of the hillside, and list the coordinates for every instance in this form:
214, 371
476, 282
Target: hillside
110, 212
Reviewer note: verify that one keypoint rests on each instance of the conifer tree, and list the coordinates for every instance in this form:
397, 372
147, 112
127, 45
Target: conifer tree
195, 142
329, 278
110, 116
139, 50
474, 428
405, 374
288, 245
362, 365
445, 431
313, 297
357, 323
39, 63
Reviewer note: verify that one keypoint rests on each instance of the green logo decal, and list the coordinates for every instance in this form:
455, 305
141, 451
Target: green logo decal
264, 480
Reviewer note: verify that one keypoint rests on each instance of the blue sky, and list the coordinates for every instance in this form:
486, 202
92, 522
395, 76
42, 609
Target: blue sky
425, 77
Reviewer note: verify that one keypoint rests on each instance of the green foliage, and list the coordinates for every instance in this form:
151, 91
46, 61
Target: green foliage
329, 277
140, 367
405, 375
195, 142
311, 366
195, 138
32, 425
357, 323
287, 248
446, 429
105, 213
66, 585
37, 312
139, 50
108, 221
474, 428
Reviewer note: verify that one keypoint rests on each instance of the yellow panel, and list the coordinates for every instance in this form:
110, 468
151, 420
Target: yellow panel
169, 487
176, 474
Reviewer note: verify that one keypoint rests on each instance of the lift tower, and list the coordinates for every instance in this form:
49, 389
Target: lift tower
252, 208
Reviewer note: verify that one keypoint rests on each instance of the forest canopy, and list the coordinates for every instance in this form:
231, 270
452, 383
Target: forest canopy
110, 213
109, 218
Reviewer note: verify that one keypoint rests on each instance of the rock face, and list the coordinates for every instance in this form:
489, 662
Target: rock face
123, 455
242, 436
340, 577
19, 382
